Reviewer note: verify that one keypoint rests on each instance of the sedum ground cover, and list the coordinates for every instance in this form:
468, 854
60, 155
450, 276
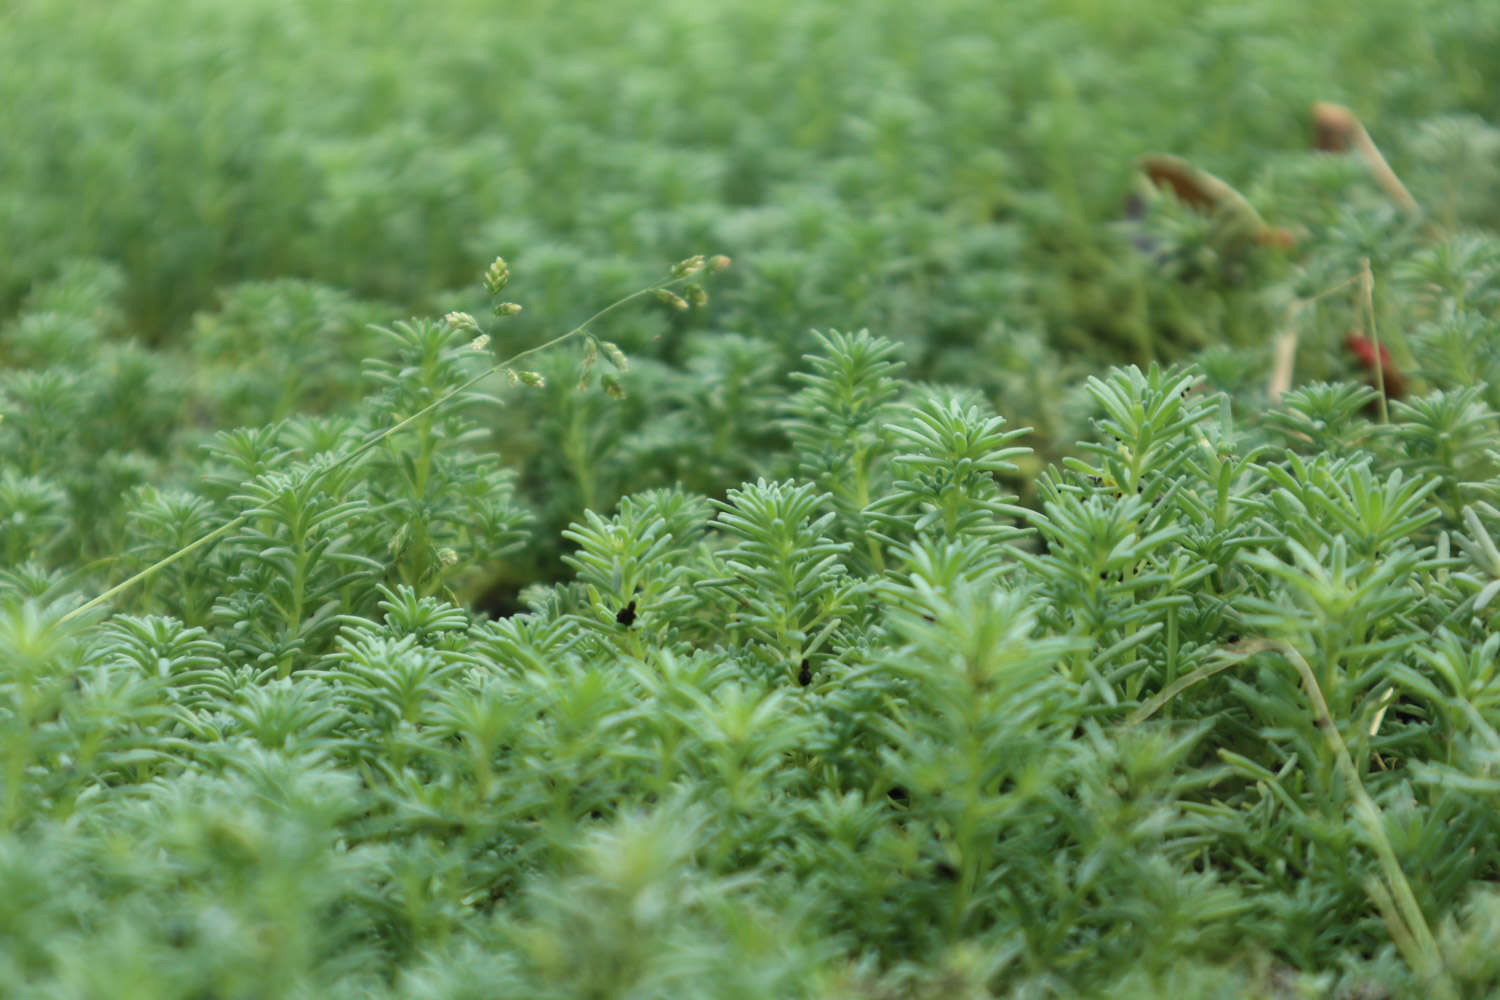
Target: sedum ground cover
914, 591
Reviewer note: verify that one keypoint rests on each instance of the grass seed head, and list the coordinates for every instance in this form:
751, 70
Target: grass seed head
497, 276
461, 321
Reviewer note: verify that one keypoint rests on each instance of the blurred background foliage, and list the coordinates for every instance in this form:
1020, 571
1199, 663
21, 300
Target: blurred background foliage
875, 164
236, 190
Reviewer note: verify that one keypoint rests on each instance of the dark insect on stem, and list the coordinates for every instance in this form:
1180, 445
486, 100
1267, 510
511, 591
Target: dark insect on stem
626, 615
804, 676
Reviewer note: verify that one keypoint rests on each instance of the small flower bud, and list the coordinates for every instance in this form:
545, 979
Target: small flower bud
692, 265
497, 276
447, 556
479, 343
695, 294
532, 379
615, 355
507, 308
671, 298
461, 321
612, 386
718, 262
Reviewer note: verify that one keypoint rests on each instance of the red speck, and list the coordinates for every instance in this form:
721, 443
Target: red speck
1364, 349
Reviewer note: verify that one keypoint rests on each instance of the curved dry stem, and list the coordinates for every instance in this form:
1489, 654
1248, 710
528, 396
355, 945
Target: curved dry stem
1393, 897
1337, 130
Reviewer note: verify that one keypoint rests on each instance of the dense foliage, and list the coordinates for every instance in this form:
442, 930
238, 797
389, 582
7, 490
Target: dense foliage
1034, 640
